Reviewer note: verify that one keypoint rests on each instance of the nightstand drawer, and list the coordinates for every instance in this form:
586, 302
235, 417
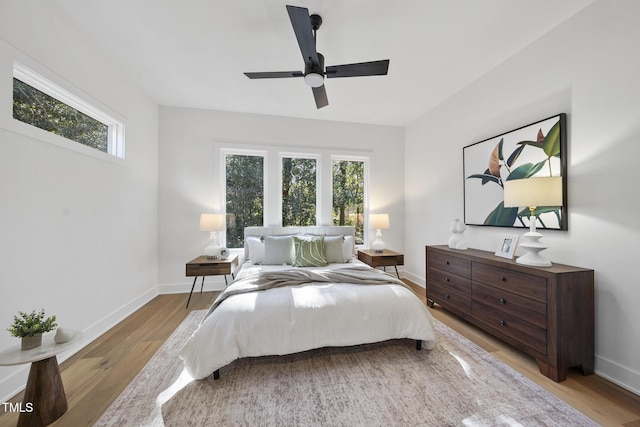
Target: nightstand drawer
208, 269
202, 266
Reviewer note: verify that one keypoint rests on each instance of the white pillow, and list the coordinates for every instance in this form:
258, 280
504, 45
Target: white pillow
256, 249
278, 250
347, 248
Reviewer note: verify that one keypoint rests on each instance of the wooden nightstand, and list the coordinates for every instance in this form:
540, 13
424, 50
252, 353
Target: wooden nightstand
203, 266
383, 259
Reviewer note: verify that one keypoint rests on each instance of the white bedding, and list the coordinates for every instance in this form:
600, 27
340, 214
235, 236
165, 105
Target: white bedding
292, 319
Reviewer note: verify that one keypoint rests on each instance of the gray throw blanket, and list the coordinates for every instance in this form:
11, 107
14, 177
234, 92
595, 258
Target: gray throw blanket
294, 277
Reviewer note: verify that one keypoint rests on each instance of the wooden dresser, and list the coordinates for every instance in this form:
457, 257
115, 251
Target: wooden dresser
547, 312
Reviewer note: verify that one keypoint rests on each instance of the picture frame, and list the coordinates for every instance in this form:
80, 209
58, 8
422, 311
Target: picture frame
507, 246
535, 150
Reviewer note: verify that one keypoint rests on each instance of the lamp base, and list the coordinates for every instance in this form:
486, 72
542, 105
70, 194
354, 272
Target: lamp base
212, 250
378, 244
533, 246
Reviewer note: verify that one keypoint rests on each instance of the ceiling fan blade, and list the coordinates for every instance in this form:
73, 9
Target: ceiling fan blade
274, 74
301, 22
373, 68
320, 95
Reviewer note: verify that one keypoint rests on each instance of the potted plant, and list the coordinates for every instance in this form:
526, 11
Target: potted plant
30, 327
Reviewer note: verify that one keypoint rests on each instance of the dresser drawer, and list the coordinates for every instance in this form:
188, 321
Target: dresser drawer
527, 285
448, 280
452, 264
513, 327
497, 299
450, 297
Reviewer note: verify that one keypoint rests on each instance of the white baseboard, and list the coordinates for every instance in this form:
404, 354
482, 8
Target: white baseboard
16, 380
611, 371
415, 279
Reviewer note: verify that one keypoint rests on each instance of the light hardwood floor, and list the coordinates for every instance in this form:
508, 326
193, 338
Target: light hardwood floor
97, 374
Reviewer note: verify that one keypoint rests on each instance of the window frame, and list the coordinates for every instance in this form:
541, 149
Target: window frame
224, 152
299, 155
367, 184
272, 155
115, 127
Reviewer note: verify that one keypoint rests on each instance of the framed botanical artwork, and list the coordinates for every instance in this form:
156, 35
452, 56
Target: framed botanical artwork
535, 150
507, 245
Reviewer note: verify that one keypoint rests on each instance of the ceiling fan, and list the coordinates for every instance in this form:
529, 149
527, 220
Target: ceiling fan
305, 27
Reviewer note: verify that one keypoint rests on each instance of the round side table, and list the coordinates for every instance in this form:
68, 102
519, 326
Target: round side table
44, 390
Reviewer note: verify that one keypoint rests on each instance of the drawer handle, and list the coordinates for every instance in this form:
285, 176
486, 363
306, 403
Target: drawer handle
501, 301
446, 296
502, 279
501, 323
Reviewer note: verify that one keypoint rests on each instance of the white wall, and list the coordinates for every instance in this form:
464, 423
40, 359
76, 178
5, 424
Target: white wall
587, 67
78, 229
189, 173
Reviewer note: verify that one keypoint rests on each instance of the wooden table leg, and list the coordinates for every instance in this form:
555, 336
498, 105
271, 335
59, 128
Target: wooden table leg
44, 394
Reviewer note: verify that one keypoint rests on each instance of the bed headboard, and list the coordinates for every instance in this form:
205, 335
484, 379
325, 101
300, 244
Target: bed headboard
323, 230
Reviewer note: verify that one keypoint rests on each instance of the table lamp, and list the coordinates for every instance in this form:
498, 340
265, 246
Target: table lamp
379, 222
533, 193
212, 223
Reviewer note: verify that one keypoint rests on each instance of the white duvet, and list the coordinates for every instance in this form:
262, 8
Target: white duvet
292, 319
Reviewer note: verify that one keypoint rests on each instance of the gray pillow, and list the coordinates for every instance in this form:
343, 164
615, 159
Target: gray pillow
333, 249
278, 250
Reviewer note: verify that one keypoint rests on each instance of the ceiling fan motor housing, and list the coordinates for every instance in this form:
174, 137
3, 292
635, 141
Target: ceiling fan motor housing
316, 21
314, 73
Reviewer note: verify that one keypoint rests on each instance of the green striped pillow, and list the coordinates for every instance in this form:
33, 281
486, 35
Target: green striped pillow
309, 251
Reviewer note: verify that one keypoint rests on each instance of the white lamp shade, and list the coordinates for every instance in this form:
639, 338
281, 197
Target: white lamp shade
533, 192
379, 221
212, 222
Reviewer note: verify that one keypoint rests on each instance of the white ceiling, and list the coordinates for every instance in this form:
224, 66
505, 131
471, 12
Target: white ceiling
193, 53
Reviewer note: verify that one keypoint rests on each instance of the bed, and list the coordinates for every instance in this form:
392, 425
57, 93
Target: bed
286, 299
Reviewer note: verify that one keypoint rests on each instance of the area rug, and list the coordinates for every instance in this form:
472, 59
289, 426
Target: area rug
383, 384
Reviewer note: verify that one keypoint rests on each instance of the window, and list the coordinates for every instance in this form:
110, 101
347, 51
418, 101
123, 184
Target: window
349, 195
299, 189
244, 195
40, 103
272, 186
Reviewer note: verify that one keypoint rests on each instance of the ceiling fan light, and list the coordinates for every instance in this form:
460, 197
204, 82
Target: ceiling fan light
314, 79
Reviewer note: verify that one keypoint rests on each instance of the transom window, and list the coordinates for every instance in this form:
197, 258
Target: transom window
42, 104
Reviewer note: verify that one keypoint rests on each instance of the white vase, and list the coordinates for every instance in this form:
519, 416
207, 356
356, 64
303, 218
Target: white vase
456, 241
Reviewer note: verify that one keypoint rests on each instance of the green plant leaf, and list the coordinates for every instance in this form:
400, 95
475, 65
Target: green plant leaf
500, 156
502, 216
485, 177
537, 144
551, 143
525, 170
514, 156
